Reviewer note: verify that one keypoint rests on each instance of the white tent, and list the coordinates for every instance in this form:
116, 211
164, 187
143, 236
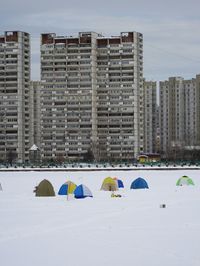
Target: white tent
34, 148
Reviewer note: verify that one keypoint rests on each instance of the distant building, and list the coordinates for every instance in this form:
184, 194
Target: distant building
14, 96
150, 116
179, 114
91, 96
149, 158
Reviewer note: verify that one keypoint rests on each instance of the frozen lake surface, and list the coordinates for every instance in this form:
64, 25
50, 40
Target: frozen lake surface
100, 231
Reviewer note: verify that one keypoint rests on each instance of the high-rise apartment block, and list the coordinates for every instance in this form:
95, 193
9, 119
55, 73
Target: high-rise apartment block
91, 96
91, 100
14, 96
179, 113
150, 117
119, 96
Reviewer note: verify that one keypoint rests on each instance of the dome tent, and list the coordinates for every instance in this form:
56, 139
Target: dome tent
109, 184
139, 183
67, 188
184, 180
81, 192
44, 189
119, 182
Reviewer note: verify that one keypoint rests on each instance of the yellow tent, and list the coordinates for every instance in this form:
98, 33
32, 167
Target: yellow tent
109, 184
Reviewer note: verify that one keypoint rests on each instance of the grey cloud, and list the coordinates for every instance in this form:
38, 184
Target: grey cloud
125, 7
170, 28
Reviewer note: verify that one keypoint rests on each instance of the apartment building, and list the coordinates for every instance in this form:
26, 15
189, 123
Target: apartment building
120, 96
192, 111
150, 117
14, 96
91, 95
68, 86
179, 113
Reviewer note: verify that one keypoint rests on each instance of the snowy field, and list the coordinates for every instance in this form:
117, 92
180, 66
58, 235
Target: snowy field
100, 231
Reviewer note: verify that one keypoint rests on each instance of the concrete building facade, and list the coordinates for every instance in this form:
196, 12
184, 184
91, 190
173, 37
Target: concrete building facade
150, 117
179, 114
14, 96
91, 96
120, 96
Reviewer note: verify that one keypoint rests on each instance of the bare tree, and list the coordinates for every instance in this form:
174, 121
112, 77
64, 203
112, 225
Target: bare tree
60, 159
11, 156
88, 156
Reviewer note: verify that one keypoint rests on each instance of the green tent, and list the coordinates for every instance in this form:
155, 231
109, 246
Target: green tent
184, 180
44, 189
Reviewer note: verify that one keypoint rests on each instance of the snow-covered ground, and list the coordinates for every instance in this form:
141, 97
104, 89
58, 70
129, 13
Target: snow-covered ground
100, 231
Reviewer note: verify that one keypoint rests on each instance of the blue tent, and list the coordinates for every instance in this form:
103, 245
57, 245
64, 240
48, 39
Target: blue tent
139, 183
82, 191
67, 188
120, 183
63, 190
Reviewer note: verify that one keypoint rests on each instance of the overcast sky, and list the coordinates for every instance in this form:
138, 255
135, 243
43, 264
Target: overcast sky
171, 29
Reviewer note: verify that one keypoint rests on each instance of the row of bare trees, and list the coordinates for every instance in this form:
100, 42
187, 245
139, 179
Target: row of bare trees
180, 153
99, 154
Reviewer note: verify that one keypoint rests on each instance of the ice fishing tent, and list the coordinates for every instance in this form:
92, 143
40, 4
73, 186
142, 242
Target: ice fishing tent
139, 183
184, 180
81, 192
44, 189
109, 184
67, 188
119, 182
